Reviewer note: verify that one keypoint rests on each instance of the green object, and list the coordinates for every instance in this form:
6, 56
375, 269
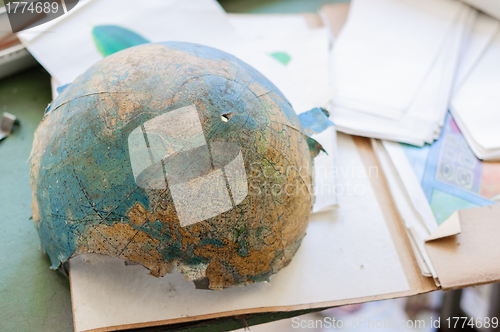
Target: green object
282, 57
110, 39
32, 297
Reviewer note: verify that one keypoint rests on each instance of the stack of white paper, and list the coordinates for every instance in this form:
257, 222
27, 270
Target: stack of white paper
393, 67
410, 200
476, 102
479, 39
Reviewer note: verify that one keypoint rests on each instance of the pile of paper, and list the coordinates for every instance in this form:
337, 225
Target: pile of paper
429, 184
393, 67
409, 199
476, 101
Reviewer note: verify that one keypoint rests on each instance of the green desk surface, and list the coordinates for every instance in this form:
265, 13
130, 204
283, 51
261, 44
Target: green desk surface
33, 297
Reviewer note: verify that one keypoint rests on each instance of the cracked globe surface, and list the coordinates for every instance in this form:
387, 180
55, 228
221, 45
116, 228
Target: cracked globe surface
173, 155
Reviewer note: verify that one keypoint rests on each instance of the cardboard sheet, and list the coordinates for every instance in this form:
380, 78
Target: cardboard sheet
91, 306
471, 257
400, 237
347, 254
448, 228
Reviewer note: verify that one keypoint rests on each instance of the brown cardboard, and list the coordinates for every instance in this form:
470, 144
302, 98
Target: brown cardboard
417, 283
334, 15
471, 257
449, 227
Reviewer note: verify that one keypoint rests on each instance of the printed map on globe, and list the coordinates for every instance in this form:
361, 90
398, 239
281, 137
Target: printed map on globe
174, 155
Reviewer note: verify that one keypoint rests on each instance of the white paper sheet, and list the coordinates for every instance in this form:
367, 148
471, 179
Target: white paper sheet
269, 24
411, 185
304, 80
431, 101
346, 254
409, 200
325, 165
406, 130
475, 105
421, 120
385, 51
480, 37
424, 118
66, 49
479, 152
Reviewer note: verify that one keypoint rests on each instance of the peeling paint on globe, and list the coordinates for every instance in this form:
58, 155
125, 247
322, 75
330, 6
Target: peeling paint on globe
173, 155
